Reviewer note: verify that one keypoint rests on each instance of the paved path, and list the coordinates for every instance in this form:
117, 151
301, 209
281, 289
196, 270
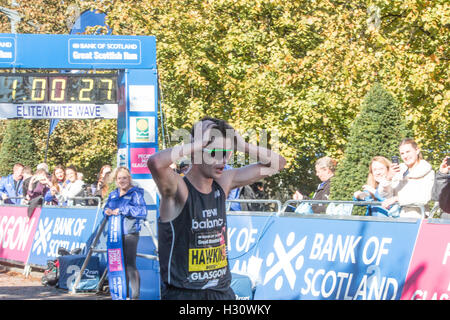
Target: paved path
15, 286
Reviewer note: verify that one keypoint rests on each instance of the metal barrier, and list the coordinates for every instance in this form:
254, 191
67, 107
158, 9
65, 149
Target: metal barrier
2, 201
98, 199
260, 201
27, 267
281, 208
93, 250
99, 203
354, 203
327, 202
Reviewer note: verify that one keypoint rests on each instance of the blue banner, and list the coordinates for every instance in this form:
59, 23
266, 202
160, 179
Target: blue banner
61, 227
116, 266
7, 49
89, 50
322, 259
148, 269
77, 51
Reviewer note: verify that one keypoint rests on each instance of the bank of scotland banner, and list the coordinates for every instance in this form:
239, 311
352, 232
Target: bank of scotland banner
319, 259
17, 232
61, 227
429, 271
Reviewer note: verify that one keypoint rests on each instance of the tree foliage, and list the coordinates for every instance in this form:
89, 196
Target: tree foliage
18, 146
298, 69
87, 144
41, 16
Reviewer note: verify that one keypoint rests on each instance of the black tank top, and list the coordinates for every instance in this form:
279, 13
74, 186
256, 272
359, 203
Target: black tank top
192, 247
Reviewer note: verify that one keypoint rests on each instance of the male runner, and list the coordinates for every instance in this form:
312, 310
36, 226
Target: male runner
192, 230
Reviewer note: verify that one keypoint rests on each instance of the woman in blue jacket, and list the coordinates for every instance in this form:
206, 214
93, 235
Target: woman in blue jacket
128, 201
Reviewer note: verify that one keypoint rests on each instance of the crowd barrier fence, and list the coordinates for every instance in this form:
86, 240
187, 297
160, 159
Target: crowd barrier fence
351, 204
324, 256
286, 255
93, 249
2, 201
277, 203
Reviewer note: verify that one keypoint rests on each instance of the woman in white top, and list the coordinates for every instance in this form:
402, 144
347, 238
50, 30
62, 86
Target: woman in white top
71, 188
408, 183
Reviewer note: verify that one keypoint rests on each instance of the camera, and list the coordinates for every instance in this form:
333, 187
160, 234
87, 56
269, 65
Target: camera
394, 160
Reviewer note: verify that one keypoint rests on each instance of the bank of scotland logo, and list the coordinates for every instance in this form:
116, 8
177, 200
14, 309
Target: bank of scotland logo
42, 236
285, 259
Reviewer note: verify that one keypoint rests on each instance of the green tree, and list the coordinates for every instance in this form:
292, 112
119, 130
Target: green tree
86, 144
376, 131
17, 147
41, 16
299, 69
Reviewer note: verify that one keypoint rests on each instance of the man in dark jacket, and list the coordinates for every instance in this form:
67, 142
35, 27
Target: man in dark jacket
440, 182
325, 168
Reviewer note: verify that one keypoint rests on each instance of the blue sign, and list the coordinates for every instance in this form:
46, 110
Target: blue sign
148, 269
62, 227
90, 50
7, 49
57, 111
321, 259
89, 18
60, 51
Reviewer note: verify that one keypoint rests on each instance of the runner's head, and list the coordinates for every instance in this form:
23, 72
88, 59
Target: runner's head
218, 140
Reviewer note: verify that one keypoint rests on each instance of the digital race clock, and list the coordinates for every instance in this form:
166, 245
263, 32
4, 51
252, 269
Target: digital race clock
58, 95
58, 88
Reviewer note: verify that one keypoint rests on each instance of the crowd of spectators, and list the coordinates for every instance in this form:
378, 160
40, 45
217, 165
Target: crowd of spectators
403, 185
403, 188
64, 186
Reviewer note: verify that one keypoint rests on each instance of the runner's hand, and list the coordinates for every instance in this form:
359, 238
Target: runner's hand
298, 195
202, 134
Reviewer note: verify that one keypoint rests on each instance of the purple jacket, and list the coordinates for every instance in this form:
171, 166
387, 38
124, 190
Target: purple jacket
38, 190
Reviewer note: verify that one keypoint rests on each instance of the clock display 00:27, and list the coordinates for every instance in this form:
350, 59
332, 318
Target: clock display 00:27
58, 88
